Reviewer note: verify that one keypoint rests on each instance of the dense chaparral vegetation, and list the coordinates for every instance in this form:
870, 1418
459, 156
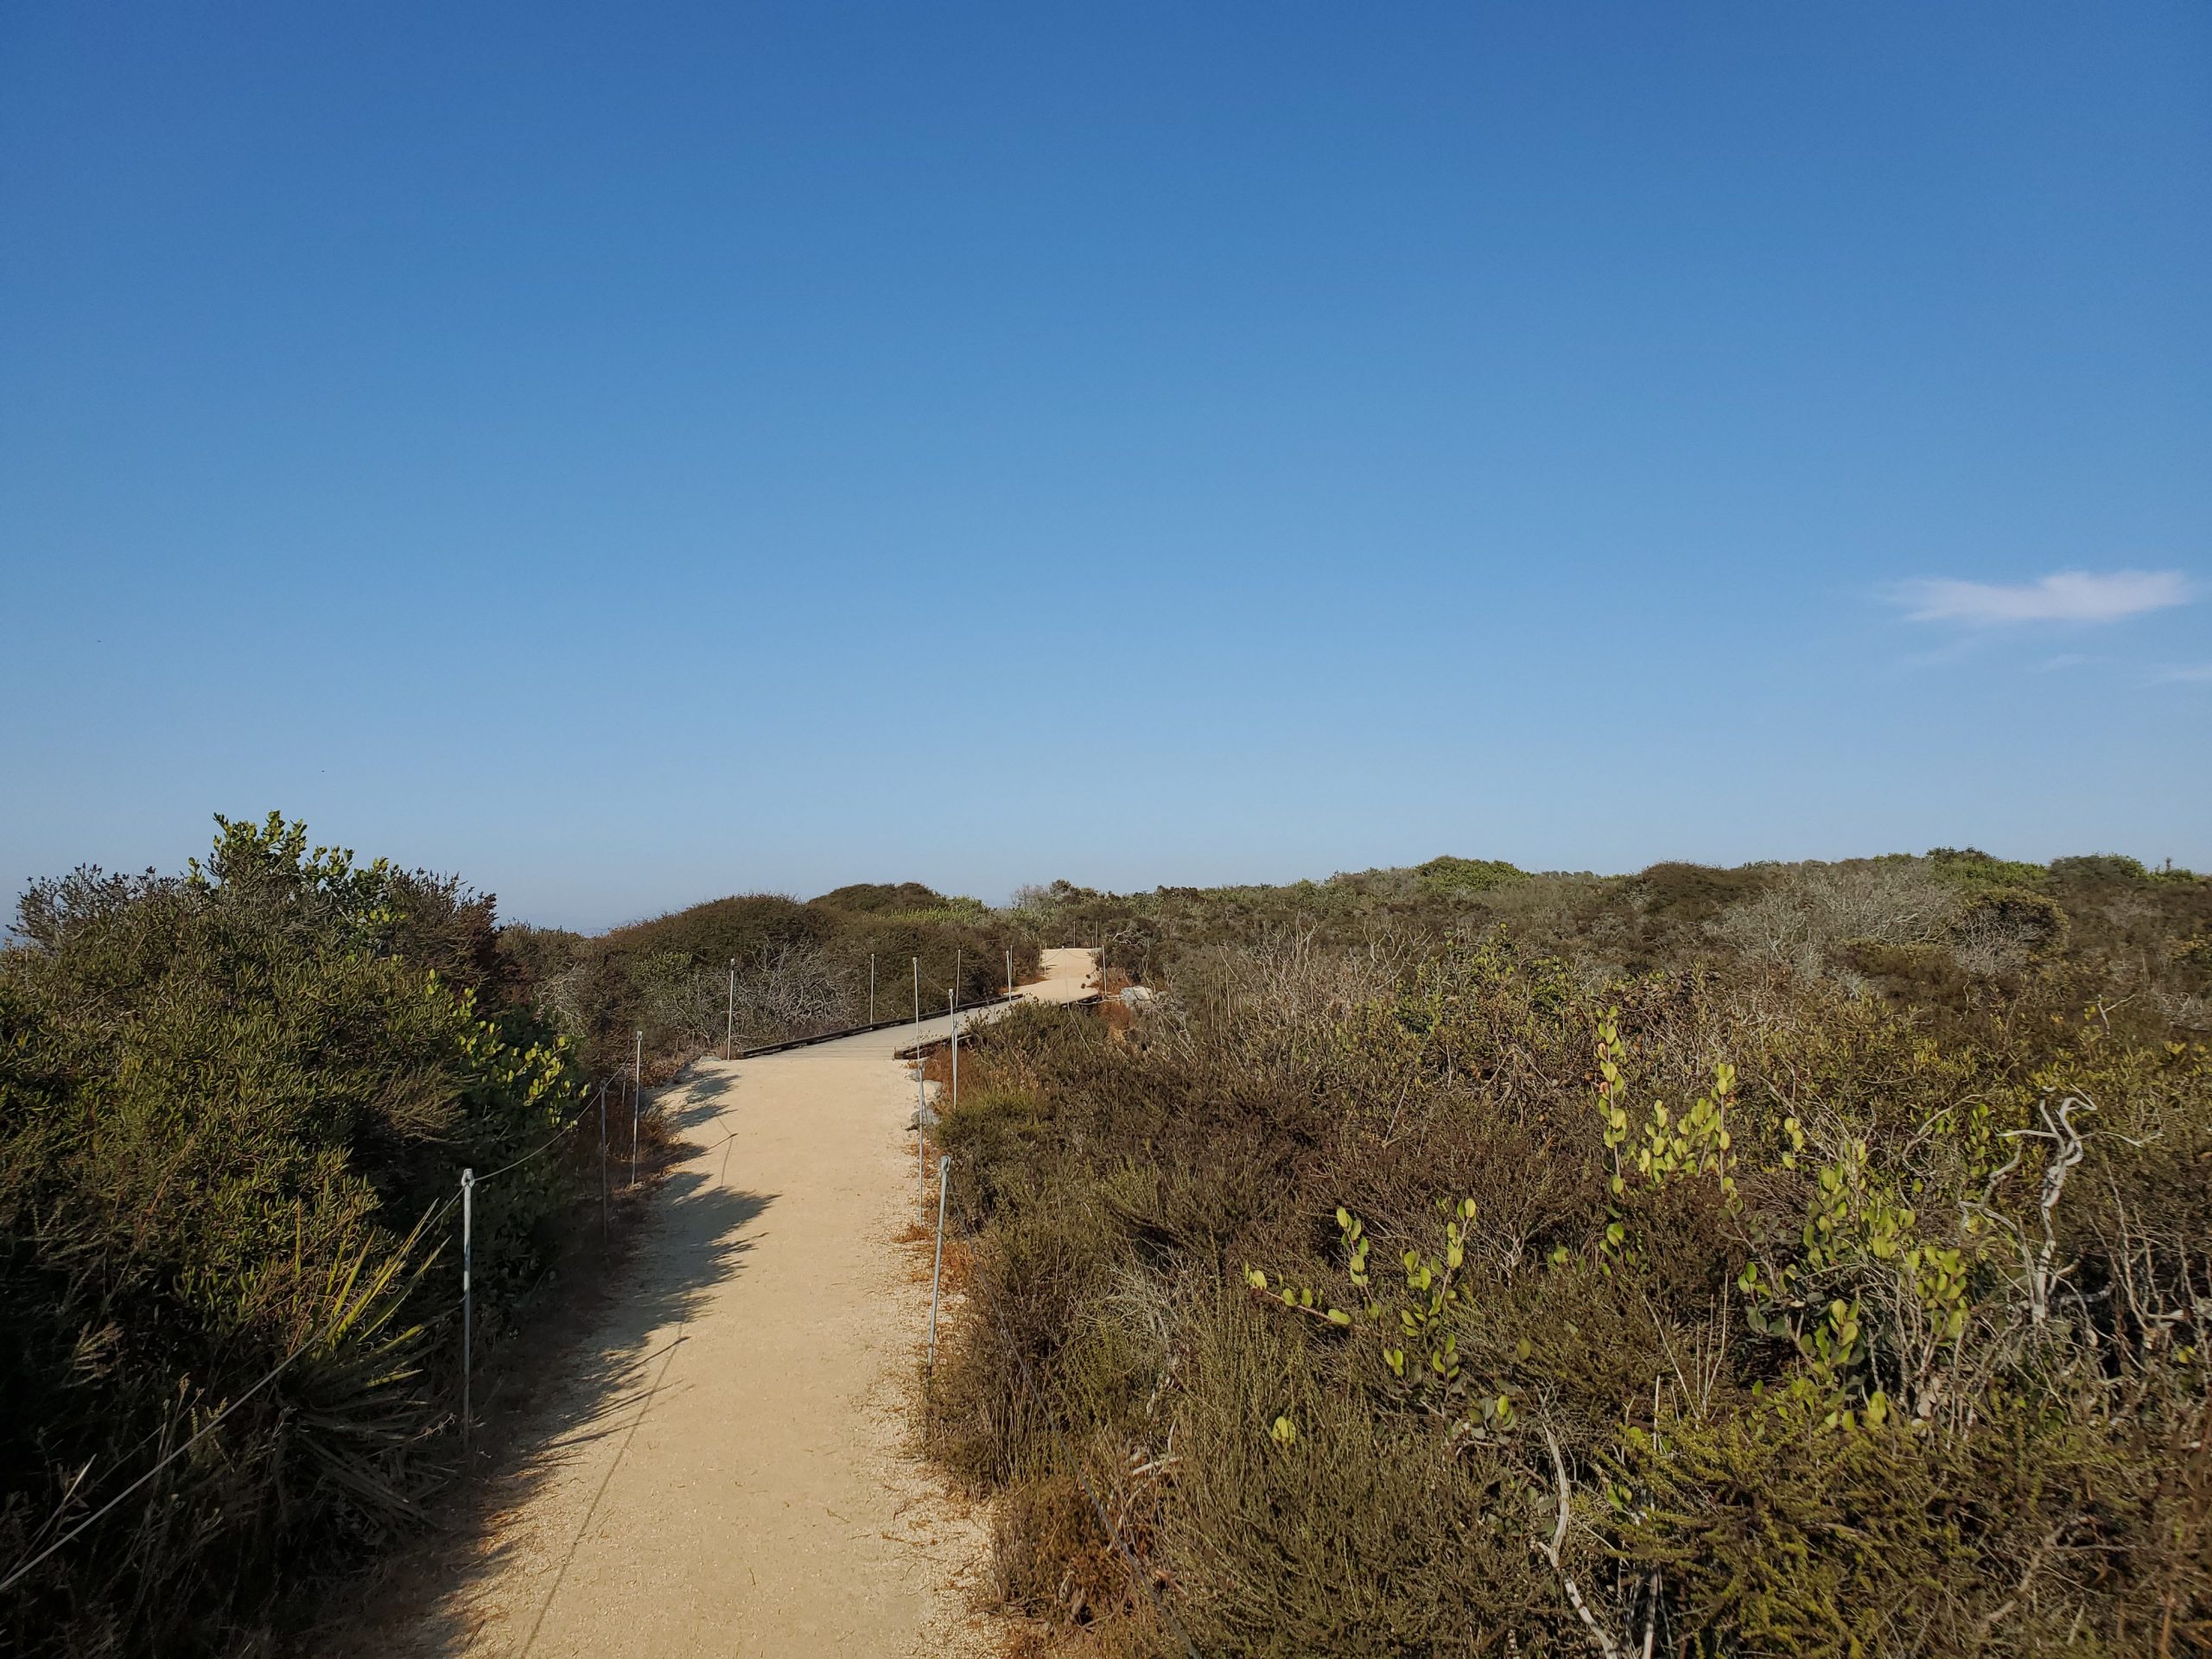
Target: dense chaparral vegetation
1783, 1260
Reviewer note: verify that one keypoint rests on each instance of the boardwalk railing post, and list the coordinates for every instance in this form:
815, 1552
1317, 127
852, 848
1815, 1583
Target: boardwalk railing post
467, 1309
937, 1272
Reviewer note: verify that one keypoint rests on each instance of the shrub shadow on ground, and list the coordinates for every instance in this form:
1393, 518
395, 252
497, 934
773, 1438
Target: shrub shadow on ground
588, 1373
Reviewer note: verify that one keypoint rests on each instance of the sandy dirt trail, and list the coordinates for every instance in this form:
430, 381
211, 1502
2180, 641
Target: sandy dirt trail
733, 1471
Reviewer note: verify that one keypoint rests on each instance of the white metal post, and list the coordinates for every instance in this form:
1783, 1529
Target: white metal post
937, 1271
1010, 972
467, 1298
637, 1103
729, 1043
956, 1048
602, 1163
871, 988
917, 990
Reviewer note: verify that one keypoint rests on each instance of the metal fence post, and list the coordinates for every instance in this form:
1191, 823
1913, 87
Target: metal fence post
917, 990
1010, 972
729, 1043
955, 1054
637, 1103
871, 988
602, 1161
937, 1272
468, 1300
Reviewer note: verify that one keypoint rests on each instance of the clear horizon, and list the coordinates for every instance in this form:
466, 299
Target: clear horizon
629, 458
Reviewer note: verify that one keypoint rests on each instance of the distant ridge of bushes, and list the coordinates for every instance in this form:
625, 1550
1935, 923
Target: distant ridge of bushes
802, 968
1998, 912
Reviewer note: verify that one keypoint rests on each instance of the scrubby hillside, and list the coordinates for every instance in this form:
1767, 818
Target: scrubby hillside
1786, 1260
800, 968
1896, 924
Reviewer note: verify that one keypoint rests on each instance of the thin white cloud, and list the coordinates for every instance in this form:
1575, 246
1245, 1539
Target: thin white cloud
2067, 596
2184, 674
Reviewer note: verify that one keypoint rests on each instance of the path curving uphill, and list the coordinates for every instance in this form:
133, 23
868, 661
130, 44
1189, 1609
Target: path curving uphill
747, 1488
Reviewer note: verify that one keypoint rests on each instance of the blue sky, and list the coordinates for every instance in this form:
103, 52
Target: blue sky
633, 453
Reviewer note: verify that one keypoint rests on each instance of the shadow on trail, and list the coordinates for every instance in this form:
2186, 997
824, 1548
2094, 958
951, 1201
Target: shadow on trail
593, 1391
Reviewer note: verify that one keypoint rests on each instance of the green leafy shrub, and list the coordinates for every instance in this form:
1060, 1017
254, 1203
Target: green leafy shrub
233, 1105
1449, 874
1974, 870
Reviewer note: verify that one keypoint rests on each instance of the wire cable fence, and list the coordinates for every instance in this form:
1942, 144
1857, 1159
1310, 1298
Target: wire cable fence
22, 1569
347, 1311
